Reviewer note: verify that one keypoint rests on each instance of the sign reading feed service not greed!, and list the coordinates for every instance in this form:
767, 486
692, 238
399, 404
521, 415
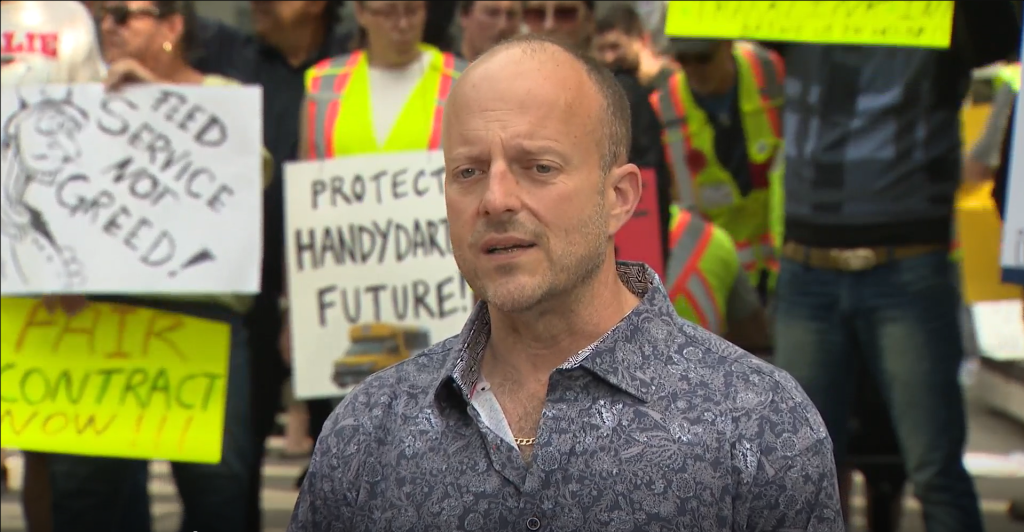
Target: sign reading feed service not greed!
150, 189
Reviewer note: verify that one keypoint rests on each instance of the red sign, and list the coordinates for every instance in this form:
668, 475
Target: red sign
640, 239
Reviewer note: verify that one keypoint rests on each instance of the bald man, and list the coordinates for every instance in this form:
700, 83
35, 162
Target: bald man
575, 398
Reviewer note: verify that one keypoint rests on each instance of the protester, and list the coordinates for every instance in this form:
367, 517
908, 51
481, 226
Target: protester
537, 184
71, 54
569, 20
622, 42
149, 42
872, 167
722, 123
485, 24
707, 286
290, 37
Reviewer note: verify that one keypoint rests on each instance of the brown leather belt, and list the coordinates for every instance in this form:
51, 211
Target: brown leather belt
853, 259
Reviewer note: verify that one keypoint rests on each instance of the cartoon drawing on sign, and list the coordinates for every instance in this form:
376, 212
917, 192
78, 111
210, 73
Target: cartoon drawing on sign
39, 141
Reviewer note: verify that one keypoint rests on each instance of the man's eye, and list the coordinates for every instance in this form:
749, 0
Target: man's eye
543, 169
466, 173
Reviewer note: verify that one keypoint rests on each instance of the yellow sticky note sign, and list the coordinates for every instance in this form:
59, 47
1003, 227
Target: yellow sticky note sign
113, 380
921, 24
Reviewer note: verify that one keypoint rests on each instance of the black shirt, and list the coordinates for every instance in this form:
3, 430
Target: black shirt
231, 53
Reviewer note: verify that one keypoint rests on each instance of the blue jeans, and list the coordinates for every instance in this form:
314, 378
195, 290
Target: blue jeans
90, 493
901, 319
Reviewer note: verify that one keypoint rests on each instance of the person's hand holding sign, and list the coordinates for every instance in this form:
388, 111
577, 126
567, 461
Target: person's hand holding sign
70, 304
128, 70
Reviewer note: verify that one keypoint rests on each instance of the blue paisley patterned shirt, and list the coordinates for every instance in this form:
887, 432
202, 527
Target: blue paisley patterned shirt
657, 426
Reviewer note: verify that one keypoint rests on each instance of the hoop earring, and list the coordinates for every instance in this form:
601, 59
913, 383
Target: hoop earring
168, 46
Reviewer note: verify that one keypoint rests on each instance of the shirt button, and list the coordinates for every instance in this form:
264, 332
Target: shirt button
533, 523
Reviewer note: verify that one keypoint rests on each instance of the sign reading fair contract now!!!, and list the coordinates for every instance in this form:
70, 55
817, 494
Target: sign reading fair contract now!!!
915, 23
113, 380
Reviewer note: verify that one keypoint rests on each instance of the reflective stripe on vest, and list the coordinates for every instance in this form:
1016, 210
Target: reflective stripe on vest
675, 138
326, 87
335, 73
689, 240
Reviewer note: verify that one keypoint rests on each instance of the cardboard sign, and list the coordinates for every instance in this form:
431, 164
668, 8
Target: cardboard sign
150, 189
367, 243
640, 238
919, 24
114, 380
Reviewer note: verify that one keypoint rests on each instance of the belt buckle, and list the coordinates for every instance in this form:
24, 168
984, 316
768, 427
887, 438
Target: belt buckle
855, 260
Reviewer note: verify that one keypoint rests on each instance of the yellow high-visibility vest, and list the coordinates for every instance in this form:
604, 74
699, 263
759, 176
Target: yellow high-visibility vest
701, 183
701, 270
338, 117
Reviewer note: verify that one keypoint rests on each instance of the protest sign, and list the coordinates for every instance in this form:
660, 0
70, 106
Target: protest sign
1012, 256
922, 24
114, 380
367, 243
151, 189
640, 239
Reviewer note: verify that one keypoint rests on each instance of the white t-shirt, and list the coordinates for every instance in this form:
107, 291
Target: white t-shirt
48, 42
390, 88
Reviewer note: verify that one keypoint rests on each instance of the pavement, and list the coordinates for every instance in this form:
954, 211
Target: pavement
992, 437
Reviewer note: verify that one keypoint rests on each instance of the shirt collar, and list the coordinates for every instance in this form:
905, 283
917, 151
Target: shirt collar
617, 357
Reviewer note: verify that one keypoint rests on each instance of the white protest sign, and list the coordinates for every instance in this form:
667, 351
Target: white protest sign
1012, 256
151, 189
367, 243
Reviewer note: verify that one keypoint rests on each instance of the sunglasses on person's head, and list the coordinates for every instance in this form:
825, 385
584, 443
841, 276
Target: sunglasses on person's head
702, 58
562, 14
121, 13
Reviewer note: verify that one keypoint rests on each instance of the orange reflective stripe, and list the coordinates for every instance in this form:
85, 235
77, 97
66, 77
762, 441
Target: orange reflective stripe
675, 139
757, 67
702, 292
445, 88
314, 87
680, 288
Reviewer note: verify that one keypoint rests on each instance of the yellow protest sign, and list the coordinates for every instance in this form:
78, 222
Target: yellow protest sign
113, 380
921, 24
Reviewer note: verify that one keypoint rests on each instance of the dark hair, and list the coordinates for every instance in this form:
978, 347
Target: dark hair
466, 7
621, 17
188, 42
615, 110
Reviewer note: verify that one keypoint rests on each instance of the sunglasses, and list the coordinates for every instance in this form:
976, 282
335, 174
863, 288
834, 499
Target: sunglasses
120, 14
694, 59
537, 15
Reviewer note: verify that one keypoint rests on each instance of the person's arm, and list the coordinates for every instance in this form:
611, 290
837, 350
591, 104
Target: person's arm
987, 151
327, 500
784, 472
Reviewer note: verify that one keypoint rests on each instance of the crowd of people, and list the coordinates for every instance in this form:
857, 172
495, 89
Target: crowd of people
805, 195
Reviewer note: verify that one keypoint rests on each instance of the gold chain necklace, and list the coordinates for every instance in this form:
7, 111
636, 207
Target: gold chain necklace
525, 442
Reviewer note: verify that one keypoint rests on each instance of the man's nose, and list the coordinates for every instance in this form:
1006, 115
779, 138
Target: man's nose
503, 192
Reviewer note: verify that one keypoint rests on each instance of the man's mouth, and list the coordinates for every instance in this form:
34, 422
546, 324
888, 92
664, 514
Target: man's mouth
496, 250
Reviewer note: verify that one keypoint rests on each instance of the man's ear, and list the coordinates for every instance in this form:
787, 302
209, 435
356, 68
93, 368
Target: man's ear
622, 194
